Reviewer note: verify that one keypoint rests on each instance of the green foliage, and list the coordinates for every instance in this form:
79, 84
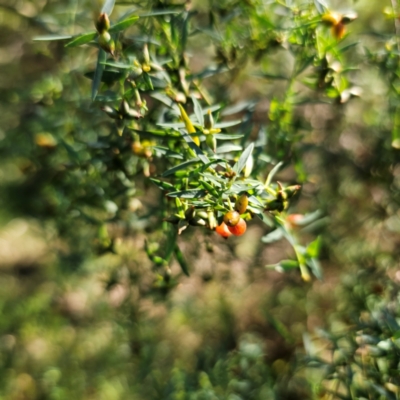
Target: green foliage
125, 140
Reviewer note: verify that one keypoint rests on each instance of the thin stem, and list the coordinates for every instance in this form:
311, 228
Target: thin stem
395, 8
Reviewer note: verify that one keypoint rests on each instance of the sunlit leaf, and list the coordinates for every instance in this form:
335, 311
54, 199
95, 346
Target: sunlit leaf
188, 194
122, 25
46, 38
108, 7
226, 148
272, 173
198, 111
238, 167
81, 39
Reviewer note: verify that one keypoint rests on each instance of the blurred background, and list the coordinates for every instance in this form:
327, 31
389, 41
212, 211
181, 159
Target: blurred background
81, 322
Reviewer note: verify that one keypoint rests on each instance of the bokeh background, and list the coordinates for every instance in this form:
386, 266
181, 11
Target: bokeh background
86, 324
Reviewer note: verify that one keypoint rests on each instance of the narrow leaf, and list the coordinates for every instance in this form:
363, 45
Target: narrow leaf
273, 236
46, 38
122, 25
98, 73
271, 76
199, 153
227, 136
184, 165
108, 7
188, 194
272, 173
243, 159
198, 111
81, 39
267, 221
156, 134
315, 267
227, 124
227, 148
162, 185
156, 13
181, 260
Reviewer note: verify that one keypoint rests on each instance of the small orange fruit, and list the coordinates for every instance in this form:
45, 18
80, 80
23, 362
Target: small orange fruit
239, 229
223, 230
231, 218
295, 220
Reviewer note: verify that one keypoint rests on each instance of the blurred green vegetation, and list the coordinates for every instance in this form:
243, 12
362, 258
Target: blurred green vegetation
82, 312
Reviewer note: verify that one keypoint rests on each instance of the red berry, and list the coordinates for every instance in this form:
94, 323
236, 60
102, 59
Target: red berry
239, 229
223, 230
231, 218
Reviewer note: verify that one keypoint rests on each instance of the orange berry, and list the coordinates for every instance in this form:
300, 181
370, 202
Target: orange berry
239, 229
231, 218
294, 220
338, 30
223, 230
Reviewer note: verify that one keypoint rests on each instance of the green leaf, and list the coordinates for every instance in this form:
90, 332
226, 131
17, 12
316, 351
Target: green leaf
173, 125
314, 247
118, 65
122, 25
162, 185
227, 136
284, 265
81, 39
320, 6
159, 12
179, 167
46, 38
348, 47
198, 111
166, 152
108, 6
108, 77
241, 163
148, 81
273, 236
227, 148
188, 194
272, 173
315, 267
101, 58
271, 76
194, 147
155, 134
227, 124
181, 260
305, 63
255, 201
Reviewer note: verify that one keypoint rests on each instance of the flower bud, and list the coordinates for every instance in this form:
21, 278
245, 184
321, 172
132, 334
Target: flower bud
128, 112
111, 112
208, 120
106, 42
212, 221
190, 213
102, 23
211, 142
